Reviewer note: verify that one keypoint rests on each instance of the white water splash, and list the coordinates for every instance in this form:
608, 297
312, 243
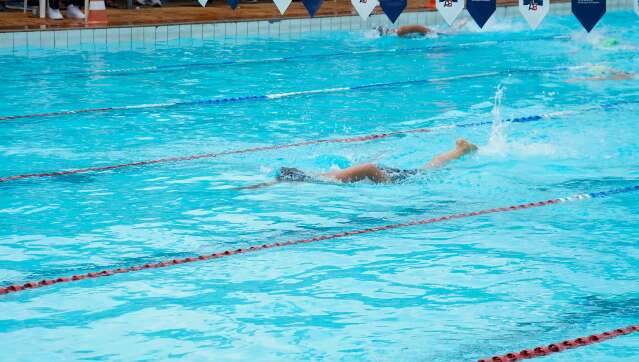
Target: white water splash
498, 141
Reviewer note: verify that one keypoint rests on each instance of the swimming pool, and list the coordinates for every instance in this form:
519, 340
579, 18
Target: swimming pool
453, 290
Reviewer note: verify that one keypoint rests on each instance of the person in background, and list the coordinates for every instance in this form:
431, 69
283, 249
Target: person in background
154, 3
73, 11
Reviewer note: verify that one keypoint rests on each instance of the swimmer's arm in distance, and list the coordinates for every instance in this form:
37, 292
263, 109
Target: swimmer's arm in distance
617, 75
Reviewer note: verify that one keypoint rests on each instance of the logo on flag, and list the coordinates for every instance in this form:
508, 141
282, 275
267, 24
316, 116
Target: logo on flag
449, 3
533, 5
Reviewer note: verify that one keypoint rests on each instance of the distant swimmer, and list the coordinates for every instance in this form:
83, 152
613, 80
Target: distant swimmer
602, 72
416, 30
370, 171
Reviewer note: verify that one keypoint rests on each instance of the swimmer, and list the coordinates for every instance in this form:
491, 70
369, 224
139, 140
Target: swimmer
614, 75
372, 172
601, 73
415, 30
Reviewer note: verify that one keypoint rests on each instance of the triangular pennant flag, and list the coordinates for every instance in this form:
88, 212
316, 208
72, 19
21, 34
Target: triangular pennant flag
203, 2
282, 5
449, 9
312, 6
365, 7
481, 10
534, 11
589, 12
636, 6
393, 8
232, 3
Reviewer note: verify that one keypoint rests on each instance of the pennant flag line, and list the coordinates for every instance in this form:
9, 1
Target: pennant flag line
282, 5
393, 8
450, 9
589, 12
312, 6
481, 10
534, 11
364, 7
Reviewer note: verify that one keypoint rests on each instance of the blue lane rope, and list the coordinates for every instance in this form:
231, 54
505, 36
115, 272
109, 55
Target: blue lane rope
169, 67
284, 95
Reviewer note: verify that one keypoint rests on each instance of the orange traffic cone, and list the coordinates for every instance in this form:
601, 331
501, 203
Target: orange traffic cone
97, 13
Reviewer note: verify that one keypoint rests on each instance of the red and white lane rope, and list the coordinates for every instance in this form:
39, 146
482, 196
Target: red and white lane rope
163, 264
562, 346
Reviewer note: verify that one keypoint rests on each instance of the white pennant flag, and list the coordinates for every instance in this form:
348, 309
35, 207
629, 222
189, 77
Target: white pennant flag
449, 9
534, 11
203, 2
365, 7
282, 5
636, 6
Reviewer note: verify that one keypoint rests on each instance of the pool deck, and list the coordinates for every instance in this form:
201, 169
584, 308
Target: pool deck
191, 12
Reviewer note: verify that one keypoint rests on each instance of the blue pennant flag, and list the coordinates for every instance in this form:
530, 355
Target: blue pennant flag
481, 10
312, 6
589, 12
232, 3
393, 8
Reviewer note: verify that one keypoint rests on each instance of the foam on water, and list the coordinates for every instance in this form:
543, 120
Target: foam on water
499, 143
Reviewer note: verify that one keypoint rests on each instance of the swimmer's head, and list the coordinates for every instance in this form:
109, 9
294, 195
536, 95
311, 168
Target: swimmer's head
609, 42
382, 30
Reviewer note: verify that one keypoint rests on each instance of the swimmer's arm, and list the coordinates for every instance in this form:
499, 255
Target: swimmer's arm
462, 147
443, 159
613, 76
454, 28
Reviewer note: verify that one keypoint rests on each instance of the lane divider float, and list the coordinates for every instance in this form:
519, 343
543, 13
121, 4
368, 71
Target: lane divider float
562, 346
355, 139
197, 258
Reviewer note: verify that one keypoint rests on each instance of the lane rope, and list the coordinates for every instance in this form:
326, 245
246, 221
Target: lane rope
562, 346
163, 264
171, 67
355, 139
272, 96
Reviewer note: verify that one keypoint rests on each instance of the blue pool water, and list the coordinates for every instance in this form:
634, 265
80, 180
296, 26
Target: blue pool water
451, 291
